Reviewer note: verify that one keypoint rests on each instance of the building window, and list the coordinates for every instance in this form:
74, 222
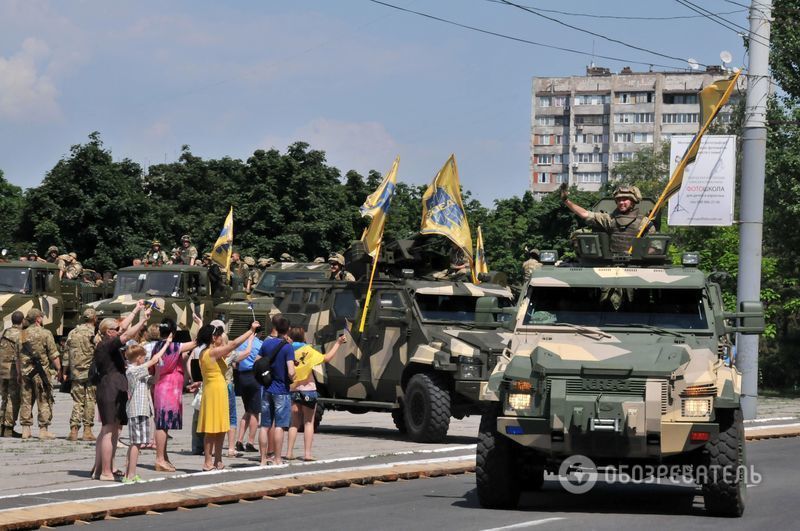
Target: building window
543, 140
559, 139
589, 157
552, 120
642, 138
591, 99
679, 118
725, 117
552, 101
558, 158
635, 97
634, 118
622, 156
541, 178
591, 119
590, 177
561, 178
544, 159
680, 98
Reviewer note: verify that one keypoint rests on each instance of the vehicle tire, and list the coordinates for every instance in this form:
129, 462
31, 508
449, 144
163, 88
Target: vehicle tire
426, 408
399, 420
318, 413
724, 485
498, 485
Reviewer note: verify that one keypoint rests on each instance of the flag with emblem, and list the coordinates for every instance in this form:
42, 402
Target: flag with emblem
377, 207
221, 253
443, 212
480, 259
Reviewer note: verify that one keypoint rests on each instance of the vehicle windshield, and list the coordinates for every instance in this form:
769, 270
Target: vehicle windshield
14, 280
462, 308
269, 279
154, 283
668, 308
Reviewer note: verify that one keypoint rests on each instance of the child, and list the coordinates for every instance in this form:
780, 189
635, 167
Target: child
140, 403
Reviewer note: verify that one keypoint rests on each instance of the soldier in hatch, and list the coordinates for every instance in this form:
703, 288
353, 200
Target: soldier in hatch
531, 264
188, 251
156, 255
69, 267
622, 225
336, 261
52, 254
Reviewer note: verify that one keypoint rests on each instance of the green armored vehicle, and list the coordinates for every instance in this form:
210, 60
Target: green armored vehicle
426, 347
618, 361
238, 314
27, 284
175, 291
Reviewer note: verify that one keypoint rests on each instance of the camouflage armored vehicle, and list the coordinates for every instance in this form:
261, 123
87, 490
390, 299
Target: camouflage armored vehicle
623, 361
238, 314
426, 347
175, 291
27, 285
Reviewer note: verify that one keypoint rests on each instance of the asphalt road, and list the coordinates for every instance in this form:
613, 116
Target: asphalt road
451, 503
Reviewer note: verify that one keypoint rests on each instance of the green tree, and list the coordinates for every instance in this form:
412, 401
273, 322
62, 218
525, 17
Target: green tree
11, 203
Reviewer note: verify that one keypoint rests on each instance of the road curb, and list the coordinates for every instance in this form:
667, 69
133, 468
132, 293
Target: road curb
757, 433
70, 512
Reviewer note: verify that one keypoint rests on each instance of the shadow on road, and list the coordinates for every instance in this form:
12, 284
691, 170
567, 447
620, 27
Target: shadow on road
388, 434
605, 498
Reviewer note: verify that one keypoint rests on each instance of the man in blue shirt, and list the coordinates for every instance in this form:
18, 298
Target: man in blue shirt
276, 403
251, 396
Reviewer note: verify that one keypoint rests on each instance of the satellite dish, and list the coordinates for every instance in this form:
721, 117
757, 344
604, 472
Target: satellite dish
693, 64
726, 56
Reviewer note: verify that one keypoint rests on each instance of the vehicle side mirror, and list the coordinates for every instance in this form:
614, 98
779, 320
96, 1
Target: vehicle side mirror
748, 320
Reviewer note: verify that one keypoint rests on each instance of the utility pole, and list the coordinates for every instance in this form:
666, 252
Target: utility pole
751, 208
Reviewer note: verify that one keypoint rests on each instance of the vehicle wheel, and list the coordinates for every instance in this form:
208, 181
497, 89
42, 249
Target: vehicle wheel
498, 485
724, 485
399, 420
426, 408
318, 413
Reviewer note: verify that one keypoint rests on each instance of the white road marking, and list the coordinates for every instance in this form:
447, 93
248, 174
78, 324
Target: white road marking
754, 421
522, 525
198, 487
771, 426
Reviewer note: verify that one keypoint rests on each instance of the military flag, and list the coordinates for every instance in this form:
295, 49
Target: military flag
443, 212
221, 253
377, 207
480, 258
712, 99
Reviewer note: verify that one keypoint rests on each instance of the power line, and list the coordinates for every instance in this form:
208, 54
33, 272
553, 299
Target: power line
618, 17
518, 39
589, 32
716, 18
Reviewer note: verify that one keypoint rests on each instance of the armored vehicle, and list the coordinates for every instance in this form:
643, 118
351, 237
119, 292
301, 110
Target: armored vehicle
618, 361
426, 346
239, 313
175, 291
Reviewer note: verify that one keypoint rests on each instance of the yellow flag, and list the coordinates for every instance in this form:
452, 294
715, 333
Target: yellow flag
377, 207
480, 258
712, 99
221, 253
443, 212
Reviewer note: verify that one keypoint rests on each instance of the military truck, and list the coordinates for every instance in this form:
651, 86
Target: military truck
239, 312
623, 361
426, 347
26, 284
176, 291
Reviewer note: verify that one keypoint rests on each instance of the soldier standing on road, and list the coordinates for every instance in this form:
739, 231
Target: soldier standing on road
36, 350
622, 225
9, 382
52, 254
188, 251
79, 355
156, 255
336, 261
531, 264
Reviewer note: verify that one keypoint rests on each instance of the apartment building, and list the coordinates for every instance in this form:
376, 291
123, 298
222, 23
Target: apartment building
582, 125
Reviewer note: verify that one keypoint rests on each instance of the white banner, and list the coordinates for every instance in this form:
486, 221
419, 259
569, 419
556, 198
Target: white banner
708, 187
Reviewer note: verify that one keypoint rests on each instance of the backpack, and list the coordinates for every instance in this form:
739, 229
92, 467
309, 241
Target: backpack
262, 368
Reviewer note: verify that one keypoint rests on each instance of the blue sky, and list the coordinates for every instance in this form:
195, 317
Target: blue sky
361, 81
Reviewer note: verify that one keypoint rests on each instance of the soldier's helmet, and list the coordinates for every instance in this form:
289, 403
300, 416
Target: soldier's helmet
185, 238
33, 314
155, 243
52, 249
319, 260
249, 260
628, 192
73, 255
89, 314
534, 253
33, 252
286, 257
206, 256
262, 262
336, 258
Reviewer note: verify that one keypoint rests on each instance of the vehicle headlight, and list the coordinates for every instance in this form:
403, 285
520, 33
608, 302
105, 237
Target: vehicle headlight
519, 401
471, 368
695, 407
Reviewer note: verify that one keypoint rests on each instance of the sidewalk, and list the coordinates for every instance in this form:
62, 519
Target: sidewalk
36, 466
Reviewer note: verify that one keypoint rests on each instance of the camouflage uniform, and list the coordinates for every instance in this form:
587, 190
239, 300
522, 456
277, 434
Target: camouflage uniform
155, 257
8, 377
342, 274
187, 253
239, 274
35, 342
253, 274
622, 228
52, 254
79, 355
530, 265
69, 265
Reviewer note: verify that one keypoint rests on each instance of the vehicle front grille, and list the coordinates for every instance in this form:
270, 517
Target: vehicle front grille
237, 327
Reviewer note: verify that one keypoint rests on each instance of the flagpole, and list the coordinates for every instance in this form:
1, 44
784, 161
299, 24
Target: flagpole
684, 160
369, 289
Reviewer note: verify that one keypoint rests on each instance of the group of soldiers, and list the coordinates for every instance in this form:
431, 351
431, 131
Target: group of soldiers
68, 265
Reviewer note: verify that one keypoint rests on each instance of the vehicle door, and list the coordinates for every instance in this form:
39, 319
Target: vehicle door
385, 344
48, 291
341, 307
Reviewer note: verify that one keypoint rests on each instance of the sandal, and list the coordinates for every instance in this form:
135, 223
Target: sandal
234, 453
220, 466
118, 473
307, 459
162, 468
102, 477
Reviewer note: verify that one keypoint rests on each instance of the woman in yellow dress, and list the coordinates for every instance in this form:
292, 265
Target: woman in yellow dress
214, 420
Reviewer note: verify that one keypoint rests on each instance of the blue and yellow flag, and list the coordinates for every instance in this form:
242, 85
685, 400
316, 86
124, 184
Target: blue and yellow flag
377, 207
221, 253
480, 258
443, 212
